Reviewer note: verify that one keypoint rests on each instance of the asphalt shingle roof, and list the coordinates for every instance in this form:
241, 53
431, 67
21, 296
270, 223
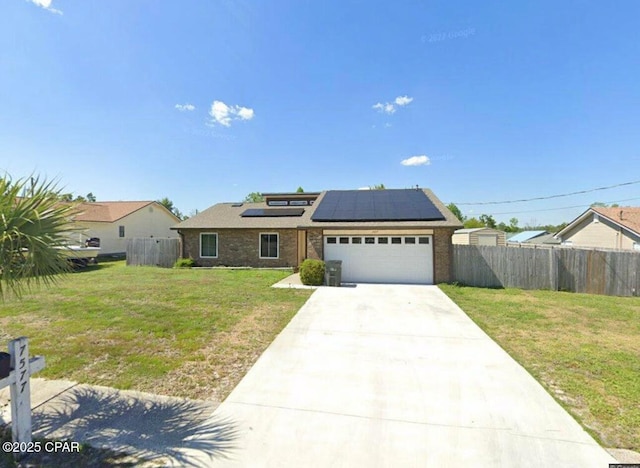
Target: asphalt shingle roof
227, 216
108, 212
628, 216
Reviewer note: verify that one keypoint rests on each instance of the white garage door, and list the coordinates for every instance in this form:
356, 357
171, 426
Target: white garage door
382, 259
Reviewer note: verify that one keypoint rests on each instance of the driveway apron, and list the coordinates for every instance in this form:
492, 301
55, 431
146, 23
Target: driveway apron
394, 376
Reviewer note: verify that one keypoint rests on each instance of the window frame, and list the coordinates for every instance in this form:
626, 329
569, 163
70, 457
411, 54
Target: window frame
121, 231
277, 245
217, 244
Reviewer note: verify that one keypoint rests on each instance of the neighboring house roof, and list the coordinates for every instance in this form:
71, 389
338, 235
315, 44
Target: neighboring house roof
525, 236
228, 215
544, 239
111, 211
627, 217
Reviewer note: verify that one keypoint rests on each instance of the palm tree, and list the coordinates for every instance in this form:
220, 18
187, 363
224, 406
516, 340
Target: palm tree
34, 225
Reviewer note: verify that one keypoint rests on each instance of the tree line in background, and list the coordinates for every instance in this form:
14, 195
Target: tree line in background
68, 197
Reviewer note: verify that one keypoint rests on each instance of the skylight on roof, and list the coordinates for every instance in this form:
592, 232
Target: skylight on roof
272, 212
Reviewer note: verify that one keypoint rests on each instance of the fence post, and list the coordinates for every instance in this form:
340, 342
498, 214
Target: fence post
553, 269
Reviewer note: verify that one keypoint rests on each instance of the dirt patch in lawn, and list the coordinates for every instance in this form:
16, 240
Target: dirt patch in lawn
218, 369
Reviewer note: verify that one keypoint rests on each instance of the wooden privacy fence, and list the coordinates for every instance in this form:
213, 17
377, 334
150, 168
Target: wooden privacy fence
150, 251
613, 273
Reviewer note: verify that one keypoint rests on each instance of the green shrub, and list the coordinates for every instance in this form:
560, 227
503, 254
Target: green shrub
312, 272
184, 263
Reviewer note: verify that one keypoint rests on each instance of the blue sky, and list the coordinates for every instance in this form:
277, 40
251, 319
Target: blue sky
206, 101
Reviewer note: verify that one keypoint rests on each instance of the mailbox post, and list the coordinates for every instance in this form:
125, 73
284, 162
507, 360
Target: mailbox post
18, 380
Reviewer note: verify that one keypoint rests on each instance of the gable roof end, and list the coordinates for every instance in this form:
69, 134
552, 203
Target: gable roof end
109, 212
627, 217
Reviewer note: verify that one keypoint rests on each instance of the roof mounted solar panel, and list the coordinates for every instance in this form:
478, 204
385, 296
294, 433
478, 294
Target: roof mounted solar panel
271, 212
376, 205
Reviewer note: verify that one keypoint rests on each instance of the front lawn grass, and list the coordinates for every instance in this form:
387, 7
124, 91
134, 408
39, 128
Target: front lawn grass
585, 349
180, 332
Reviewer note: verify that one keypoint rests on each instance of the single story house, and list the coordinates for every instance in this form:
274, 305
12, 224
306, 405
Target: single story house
479, 236
115, 222
546, 240
607, 228
401, 236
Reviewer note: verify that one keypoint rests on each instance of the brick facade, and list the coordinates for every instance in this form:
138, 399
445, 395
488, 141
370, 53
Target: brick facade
315, 244
240, 247
442, 255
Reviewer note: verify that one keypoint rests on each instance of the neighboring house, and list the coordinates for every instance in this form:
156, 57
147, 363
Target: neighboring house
547, 240
525, 237
479, 236
608, 228
401, 236
114, 223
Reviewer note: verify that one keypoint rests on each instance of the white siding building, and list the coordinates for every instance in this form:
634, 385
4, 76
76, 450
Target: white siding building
114, 223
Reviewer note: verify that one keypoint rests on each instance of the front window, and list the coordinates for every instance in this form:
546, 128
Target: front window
209, 245
121, 231
268, 245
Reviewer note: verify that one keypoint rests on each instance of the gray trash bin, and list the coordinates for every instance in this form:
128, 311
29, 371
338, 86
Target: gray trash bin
333, 272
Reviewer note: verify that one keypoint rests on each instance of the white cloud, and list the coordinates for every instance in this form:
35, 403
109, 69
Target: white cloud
390, 107
403, 100
220, 113
245, 113
185, 107
224, 114
46, 4
421, 160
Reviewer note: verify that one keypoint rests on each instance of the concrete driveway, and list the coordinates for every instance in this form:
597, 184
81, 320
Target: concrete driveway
394, 376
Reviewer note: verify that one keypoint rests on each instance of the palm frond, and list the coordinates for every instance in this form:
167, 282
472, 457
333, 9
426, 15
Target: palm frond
34, 229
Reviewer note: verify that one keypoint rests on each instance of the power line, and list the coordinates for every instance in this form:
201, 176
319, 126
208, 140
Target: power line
551, 196
562, 208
